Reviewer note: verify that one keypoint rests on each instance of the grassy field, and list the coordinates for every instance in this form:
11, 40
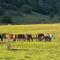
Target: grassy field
32, 50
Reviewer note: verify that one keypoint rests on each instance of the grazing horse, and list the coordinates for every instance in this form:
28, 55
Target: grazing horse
14, 37
8, 36
28, 37
40, 36
1, 37
48, 37
4, 36
21, 37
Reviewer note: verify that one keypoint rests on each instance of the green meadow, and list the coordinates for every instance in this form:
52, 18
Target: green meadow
31, 50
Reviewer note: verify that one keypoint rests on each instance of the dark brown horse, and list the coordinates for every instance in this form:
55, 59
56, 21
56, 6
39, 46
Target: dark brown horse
40, 36
21, 37
1, 37
29, 37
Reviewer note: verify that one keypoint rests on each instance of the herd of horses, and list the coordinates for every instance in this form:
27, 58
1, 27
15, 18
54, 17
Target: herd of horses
26, 37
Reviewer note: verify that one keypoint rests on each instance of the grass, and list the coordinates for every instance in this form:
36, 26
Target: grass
32, 50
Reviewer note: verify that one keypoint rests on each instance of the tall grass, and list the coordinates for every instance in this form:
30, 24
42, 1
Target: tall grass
32, 50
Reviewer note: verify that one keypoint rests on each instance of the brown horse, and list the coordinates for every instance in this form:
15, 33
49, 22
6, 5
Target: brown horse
47, 37
14, 37
8, 36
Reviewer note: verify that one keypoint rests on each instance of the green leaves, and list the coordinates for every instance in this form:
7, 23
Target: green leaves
7, 20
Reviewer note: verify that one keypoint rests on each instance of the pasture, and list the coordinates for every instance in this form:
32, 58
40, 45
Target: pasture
31, 50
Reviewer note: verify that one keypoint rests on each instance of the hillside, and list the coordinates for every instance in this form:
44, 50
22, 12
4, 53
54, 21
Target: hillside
29, 11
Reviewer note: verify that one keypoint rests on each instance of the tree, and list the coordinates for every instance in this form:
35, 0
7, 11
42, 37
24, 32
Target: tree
2, 11
7, 20
26, 9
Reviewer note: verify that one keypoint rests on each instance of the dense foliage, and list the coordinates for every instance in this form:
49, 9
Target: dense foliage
15, 8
